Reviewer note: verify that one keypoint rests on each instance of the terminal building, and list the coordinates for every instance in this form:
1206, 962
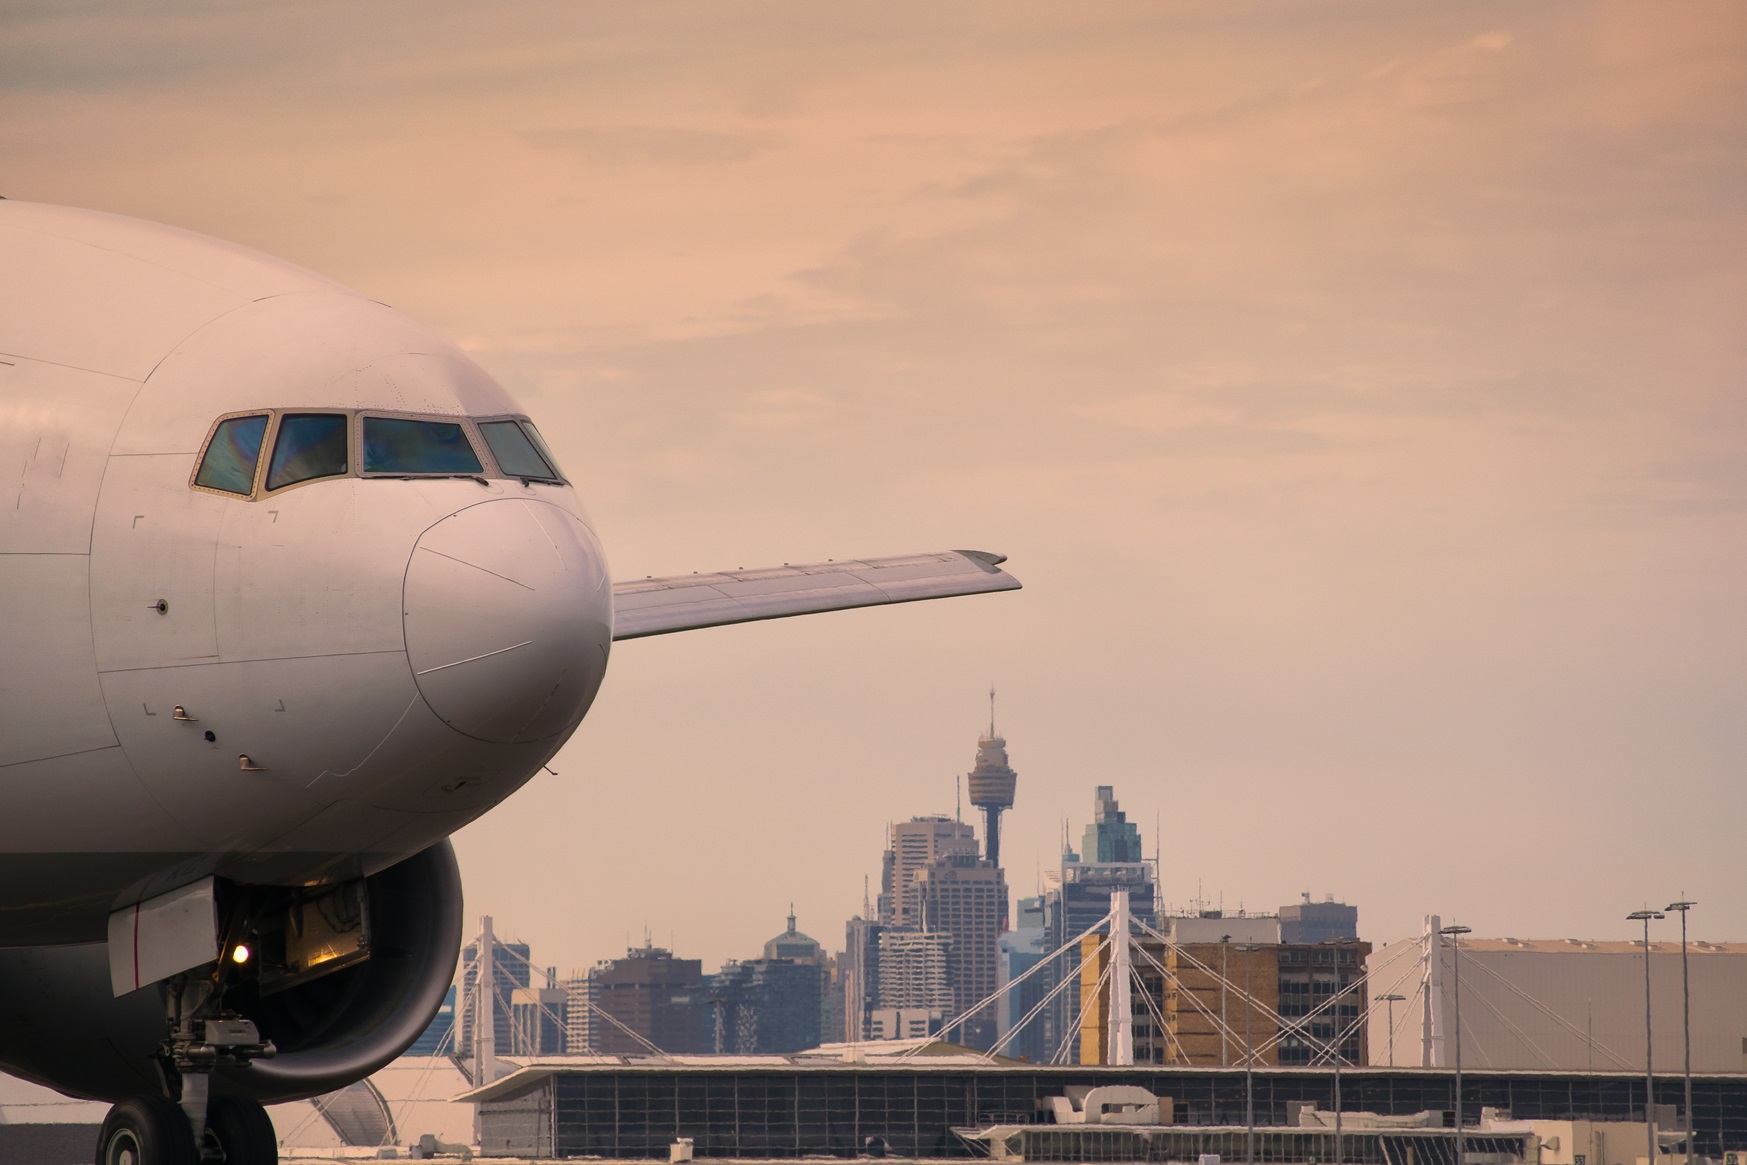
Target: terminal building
1560, 1004
932, 1106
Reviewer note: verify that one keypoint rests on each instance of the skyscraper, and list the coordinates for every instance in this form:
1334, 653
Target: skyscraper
763, 1006
1080, 896
1021, 949
1110, 836
859, 975
651, 993
1318, 922
914, 844
912, 968
540, 1019
965, 898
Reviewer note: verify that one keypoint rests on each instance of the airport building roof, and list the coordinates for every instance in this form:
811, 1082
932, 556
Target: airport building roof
1597, 946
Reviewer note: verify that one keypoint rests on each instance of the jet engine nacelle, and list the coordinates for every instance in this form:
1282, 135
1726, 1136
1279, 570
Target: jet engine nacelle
62, 1025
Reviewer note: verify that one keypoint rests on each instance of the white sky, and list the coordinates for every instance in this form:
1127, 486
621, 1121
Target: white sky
1356, 387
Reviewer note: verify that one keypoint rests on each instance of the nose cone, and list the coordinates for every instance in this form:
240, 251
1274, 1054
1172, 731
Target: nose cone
507, 620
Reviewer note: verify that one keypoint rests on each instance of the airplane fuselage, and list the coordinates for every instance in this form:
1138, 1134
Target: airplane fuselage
286, 679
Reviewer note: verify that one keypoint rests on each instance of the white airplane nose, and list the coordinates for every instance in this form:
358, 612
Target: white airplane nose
506, 616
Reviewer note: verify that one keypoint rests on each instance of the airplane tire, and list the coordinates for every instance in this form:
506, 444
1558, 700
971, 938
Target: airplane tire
146, 1130
243, 1131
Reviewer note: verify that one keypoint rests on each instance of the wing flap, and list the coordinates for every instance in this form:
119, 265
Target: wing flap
659, 606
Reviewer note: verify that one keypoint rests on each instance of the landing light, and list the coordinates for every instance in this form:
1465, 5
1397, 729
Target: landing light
240, 954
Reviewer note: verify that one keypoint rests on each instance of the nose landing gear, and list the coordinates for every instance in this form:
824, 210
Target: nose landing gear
197, 1128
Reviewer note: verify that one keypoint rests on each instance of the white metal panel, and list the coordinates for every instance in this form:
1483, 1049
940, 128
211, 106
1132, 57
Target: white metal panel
686, 602
153, 540
50, 703
318, 570
115, 813
88, 307
312, 725
320, 350
163, 936
56, 427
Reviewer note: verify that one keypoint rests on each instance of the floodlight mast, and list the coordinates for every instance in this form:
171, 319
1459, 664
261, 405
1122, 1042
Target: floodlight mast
1454, 932
1645, 916
1391, 999
1686, 1020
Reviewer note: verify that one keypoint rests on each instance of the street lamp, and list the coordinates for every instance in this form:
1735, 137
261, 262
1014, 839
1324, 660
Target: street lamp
1453, 932
1685, 1018
1645, 916
1391, 1000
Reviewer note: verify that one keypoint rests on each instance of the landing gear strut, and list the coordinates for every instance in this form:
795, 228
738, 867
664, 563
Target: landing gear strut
195, 1128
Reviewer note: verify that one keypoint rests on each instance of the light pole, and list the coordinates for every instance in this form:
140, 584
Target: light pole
1224, 1024
1456, 944
1391, 1000
1685, 1018
1249, 1061
1335, 1044
1645, 916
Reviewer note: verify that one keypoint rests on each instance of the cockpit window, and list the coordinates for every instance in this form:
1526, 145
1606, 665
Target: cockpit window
516, 453
393, 445
229, 464
540, 444
309, 445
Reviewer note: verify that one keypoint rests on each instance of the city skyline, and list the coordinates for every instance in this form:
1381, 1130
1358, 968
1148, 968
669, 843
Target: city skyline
1354, 389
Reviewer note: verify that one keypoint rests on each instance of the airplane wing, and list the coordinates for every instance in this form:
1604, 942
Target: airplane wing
657, 606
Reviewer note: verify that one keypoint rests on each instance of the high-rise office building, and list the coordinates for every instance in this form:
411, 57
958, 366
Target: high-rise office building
509, 971
538, 1017
651, 993
579, 1014
1318, 922
773, 1004
1021, 949
763, 1007
1110, 836
913, 845
859, 975
1077, 896
912, 968
965, 898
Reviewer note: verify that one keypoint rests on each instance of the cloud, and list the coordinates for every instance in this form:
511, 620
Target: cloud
658, 144
1352, 384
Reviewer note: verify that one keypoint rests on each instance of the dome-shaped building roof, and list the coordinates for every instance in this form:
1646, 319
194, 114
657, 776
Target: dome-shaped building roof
792, 944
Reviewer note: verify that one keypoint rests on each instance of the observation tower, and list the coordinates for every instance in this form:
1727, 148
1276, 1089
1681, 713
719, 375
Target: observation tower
992, 783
